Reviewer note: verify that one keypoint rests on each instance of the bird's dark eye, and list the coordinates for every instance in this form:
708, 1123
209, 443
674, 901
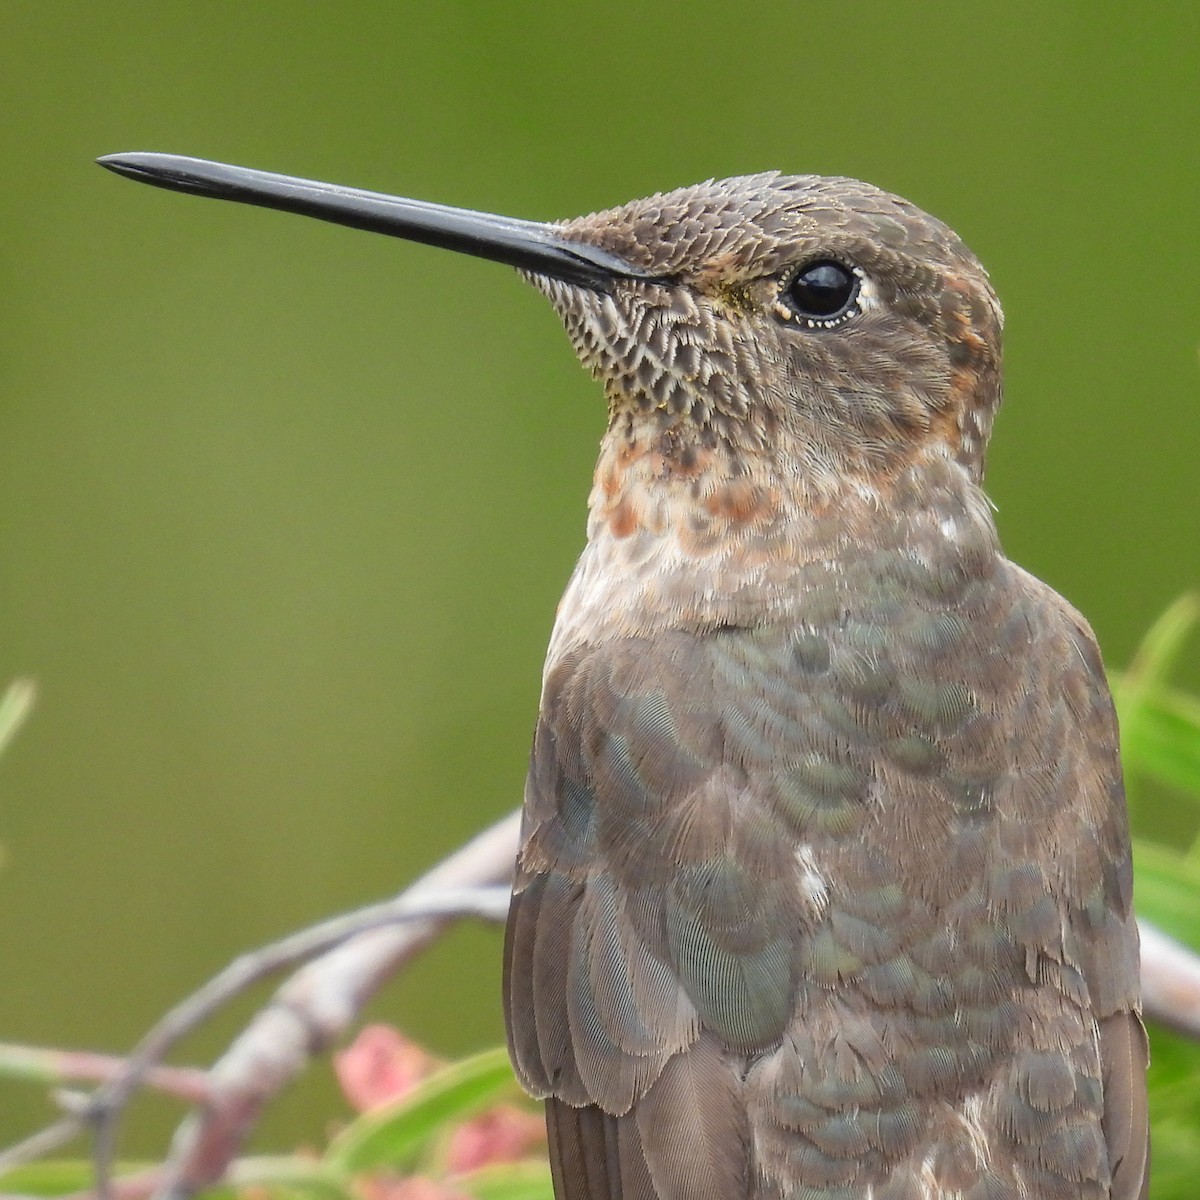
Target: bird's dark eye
822, 291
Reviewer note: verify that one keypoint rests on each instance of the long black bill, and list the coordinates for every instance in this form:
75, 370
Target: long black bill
529, 245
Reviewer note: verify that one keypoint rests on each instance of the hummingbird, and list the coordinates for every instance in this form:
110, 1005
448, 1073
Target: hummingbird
824, 886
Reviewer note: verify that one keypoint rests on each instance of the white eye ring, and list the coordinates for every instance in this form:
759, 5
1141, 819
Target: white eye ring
821, 293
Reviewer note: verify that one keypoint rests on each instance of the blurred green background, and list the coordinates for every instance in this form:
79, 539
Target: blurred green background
287, 508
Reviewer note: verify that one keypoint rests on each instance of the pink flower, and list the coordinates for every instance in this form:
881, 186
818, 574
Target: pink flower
502, 1134
410, 1187
380, 1065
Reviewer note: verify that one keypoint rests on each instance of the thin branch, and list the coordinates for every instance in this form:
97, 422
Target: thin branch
50, 1066
108, 1103
1170, 981
122, 1077
310, 1010
44, 1141
248, 969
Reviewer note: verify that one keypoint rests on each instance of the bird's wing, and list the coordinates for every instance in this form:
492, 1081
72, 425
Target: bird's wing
1101, 932
655, 923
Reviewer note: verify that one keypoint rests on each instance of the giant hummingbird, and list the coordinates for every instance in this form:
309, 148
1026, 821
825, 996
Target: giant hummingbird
824, 885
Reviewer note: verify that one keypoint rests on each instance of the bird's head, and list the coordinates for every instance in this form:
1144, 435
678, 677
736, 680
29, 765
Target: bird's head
818, 313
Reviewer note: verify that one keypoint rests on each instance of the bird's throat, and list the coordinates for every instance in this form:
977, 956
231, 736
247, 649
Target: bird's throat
678, 482
689, 532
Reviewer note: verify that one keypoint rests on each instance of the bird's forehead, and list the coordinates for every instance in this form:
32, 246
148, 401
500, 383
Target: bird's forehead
760, 223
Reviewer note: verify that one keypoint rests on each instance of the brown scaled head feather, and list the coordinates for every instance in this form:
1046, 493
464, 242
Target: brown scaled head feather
914, 367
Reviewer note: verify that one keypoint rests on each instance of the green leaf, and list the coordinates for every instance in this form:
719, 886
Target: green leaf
1174, 1082
31, 1063
14, 708
1163, 642
63, 1176
283, 1175
394, 1135
56, 1177
508, 1181
289, 1174
1167, 887
1162, 739
1160, 728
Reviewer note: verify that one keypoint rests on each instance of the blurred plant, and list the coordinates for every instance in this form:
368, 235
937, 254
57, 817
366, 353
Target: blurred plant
1160, 745
14, 709
427, 1130
15, 706
424, 1130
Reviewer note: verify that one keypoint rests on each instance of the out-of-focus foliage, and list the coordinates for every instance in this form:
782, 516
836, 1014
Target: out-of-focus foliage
15, 706
424, 1131
1160, 745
